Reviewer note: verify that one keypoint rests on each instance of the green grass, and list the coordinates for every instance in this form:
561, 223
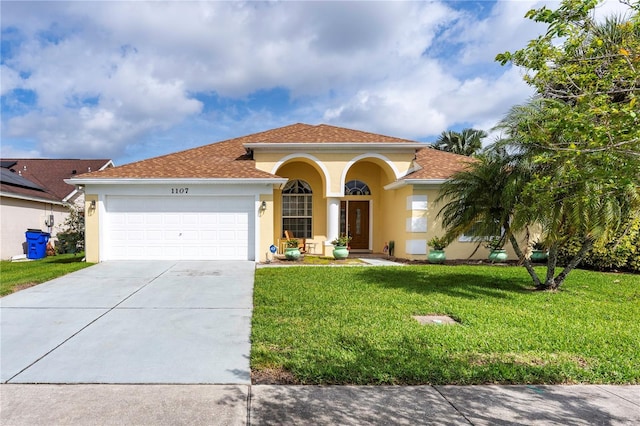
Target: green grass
17, 275
319, 325
324, 260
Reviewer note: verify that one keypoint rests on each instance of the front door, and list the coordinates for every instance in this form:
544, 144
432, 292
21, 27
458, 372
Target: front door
358, 224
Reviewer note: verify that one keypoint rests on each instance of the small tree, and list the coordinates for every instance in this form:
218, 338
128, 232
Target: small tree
71, 236
582, 132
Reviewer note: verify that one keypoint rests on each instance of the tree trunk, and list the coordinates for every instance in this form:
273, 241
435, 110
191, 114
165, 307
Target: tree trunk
551, 267
586, 246
525, 261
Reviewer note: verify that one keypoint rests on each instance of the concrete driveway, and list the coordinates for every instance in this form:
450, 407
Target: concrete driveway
132, 322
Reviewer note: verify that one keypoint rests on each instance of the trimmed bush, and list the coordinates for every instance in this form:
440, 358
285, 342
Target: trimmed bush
622, 253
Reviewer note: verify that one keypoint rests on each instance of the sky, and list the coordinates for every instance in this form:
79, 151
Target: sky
129, 80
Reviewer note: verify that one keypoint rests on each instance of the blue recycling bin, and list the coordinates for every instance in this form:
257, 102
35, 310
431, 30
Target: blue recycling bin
36, 243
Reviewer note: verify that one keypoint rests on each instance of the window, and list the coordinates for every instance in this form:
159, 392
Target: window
356, 187
297, 208
475, 234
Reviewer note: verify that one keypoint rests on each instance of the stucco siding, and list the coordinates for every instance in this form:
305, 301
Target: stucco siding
92, 229
17, 215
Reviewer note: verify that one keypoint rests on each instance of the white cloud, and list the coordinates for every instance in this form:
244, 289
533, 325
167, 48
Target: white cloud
107, 75
8, 151
10, 80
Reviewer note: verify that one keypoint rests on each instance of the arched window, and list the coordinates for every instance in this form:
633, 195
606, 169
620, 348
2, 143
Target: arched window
356, 187
297, 208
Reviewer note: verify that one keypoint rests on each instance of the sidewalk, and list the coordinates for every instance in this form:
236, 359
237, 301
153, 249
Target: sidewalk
318, 405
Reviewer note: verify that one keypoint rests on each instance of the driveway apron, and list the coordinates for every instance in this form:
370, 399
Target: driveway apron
132, 322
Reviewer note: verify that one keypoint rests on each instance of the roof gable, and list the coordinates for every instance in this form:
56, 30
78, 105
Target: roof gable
221, 160
45, 176
436, 164
231, 160
324, 133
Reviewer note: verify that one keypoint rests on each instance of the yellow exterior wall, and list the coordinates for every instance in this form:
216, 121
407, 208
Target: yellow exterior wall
334, 162
266, 221
306, 172
394, 214
371, 171
376, 178
456, 249
92, 229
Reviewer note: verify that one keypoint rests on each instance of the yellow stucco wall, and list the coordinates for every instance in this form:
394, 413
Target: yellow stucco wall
371, 171
333, 164
266, 227
92, 229
308, 173
376, 177
456, 249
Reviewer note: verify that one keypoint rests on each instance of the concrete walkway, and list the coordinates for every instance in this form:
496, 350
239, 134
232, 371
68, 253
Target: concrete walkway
132, 322
318, 405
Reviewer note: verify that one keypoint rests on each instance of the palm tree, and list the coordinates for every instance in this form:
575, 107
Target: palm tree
567, 196
468, 142
485, 199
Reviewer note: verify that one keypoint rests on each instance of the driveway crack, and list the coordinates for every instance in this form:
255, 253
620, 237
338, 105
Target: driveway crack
86, 326
452, 405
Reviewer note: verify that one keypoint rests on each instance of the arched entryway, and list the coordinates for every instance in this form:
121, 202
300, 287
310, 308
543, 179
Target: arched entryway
362, 214
355, 212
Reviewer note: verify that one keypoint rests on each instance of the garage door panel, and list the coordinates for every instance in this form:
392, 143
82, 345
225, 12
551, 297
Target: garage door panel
179, 229
153, 219
133, 219
208, 220
191, 219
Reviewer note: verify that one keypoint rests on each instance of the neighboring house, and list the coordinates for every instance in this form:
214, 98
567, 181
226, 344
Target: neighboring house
34, 195
234, 199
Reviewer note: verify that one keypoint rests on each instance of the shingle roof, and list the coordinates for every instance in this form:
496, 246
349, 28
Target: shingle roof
436, 164
47, 174
330, 134
221, 160
229, 159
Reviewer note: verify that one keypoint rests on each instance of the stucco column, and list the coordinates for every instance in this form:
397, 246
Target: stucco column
333, 219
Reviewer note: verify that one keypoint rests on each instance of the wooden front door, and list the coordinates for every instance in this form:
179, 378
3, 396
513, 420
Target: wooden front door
358, 224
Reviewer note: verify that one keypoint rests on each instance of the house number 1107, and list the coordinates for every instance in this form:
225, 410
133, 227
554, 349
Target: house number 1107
179, 190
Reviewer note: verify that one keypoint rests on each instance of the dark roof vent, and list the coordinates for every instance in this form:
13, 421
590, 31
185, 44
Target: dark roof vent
74, 171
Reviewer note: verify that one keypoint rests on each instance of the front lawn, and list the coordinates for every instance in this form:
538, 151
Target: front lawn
328, 325
17, 275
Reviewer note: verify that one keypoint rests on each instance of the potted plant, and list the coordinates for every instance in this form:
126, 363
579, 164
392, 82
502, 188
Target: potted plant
539, 253
341, 247
436, 254
292, 250
497, 252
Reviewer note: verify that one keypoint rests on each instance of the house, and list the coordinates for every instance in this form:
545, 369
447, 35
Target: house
34, 195
234, 199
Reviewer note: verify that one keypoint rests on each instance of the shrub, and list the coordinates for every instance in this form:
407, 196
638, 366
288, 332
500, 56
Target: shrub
623, 252
71, 236
438, 243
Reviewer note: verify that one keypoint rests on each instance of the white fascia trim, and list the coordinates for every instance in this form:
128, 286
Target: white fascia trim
425, 181
400, 183
336, 146
70, 196
395, 185
107, 164
36, 199
189, 181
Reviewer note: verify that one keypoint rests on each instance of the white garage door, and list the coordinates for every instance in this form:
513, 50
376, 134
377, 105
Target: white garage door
194, 228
